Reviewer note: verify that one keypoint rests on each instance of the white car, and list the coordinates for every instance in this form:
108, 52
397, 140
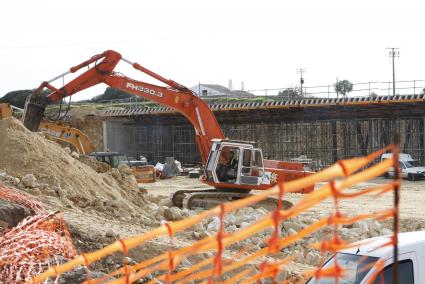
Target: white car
410, 168
361, 261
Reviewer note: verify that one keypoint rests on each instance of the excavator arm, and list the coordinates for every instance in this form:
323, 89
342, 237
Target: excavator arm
173, 95
64, 133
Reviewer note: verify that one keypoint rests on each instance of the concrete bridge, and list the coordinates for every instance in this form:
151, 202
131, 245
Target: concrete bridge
324, 129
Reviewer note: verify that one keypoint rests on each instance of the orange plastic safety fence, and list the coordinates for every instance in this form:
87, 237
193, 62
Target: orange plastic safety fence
226, 265
34, 244
14, 197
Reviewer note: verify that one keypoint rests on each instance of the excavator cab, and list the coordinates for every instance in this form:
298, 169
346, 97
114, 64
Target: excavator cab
234, 163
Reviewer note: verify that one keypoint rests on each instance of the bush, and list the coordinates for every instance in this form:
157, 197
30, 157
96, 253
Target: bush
16, 98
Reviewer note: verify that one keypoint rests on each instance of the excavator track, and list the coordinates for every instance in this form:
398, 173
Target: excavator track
210, 198
179, 195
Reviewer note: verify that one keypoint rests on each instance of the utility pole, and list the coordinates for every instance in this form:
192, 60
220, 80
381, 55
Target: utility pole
394, 53
301, 71
336, 88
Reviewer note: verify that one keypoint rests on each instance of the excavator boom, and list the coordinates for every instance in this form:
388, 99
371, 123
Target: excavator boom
173, 95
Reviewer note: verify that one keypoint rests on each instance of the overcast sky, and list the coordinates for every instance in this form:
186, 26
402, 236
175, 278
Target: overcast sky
262, 43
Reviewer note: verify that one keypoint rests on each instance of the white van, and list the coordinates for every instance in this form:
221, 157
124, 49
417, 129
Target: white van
410, 168
361, 261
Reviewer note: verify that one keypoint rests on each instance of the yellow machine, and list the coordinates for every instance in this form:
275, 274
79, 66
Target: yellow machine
58, 132
5, 110
64, 133
143, 172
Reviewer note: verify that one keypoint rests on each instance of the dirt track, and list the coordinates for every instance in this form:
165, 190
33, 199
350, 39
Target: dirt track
411, 201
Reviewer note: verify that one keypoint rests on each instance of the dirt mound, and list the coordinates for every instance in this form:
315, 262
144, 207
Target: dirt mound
23, 152
98, 166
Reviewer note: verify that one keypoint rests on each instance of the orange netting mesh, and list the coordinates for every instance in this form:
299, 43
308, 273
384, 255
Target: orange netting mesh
34, 244
228, 266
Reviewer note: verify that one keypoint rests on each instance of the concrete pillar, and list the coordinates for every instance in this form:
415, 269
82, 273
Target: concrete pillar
105, 140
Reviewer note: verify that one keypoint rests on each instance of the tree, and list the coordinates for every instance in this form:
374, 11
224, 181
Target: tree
16, 98
343, 87
373, 95
111, 94
290, 93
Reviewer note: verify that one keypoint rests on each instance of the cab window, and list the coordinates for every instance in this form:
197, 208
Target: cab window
356, 268
405, 273
252, 163
227, 165
412, 164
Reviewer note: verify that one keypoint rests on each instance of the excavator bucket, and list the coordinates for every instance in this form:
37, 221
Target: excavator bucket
34, 111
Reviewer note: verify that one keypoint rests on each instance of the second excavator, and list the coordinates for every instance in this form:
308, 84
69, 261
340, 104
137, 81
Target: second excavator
232, 167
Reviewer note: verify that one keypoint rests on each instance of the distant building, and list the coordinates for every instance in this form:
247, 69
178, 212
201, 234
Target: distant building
209, 90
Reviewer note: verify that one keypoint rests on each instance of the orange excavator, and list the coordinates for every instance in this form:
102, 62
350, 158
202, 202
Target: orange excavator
232, 167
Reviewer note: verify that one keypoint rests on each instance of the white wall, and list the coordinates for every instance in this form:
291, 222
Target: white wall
199, 89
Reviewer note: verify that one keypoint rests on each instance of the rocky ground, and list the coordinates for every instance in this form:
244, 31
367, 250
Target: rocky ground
101, 205
306, 258
99, 223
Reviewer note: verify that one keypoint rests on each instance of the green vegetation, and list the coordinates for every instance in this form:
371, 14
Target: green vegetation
291, 94
111, 94
16, 98
119, 99
343, 87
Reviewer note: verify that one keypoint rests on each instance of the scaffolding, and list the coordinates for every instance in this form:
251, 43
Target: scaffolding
324, 141
156, 142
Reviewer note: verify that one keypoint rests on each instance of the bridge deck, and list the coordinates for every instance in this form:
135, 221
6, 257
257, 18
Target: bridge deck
306, 109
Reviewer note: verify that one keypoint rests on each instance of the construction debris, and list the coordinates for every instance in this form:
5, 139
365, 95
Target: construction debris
170, 169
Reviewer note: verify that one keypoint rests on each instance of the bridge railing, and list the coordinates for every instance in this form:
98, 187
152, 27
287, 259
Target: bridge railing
363, 89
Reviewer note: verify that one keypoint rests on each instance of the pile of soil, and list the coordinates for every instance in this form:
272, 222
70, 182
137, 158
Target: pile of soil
23, 152
98, 204
98, 166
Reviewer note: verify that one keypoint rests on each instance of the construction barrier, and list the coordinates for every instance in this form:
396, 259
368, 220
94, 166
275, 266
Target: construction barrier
34, 244
229, 267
